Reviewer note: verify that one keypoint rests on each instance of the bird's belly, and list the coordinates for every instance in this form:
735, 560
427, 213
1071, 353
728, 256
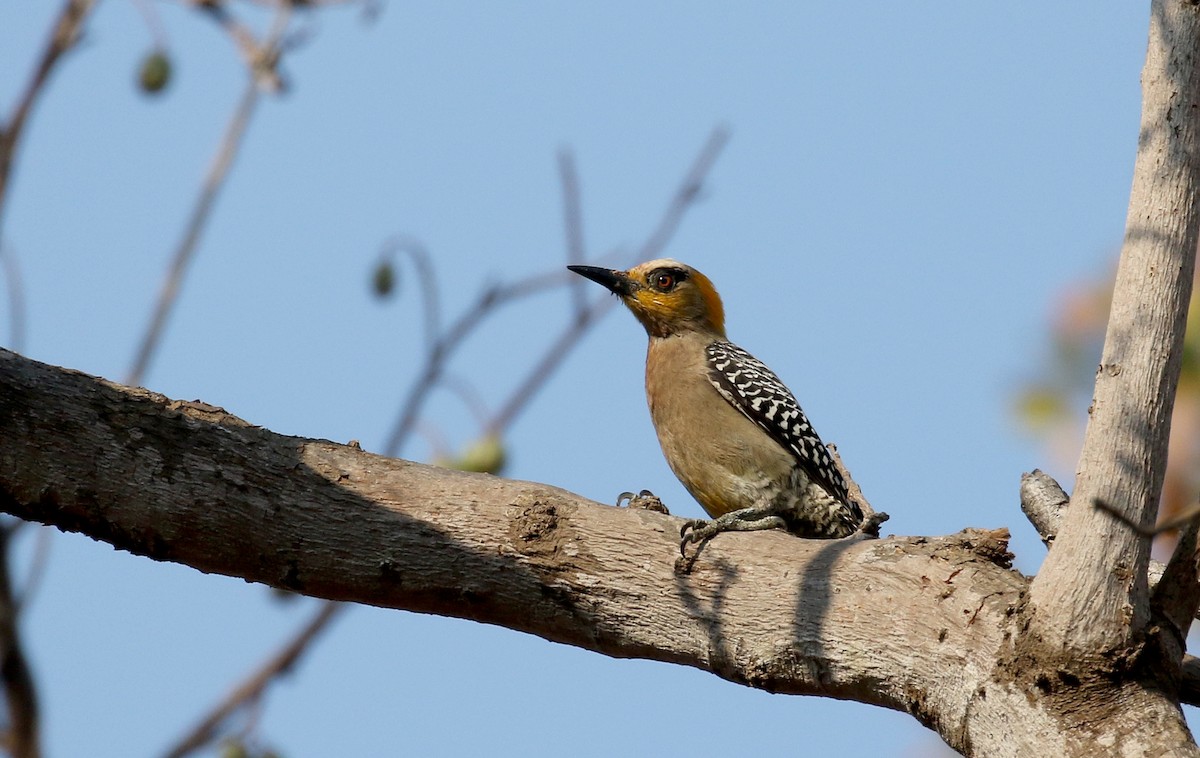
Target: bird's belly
723, 474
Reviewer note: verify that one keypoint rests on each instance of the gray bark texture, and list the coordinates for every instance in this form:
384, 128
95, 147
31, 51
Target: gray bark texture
1085, 659
930, 626
1087, 611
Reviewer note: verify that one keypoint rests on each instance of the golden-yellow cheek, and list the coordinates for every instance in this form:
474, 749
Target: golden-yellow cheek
651, 306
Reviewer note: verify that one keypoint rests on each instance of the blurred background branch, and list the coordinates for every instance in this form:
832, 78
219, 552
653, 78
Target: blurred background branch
487, 453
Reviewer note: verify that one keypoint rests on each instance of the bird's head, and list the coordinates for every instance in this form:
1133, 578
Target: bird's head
668, 297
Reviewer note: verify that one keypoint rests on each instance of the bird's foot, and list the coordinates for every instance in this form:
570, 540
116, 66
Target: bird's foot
643, 501
700, 530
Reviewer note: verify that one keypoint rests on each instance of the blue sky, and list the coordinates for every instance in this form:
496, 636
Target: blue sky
907, 190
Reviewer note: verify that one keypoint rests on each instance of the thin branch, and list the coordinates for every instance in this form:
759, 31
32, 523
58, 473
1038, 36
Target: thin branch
263, 65
260, 58
586, 315
545, 367
37, 569
1043, 501
20, 692
252, 688
440, 346
201, 211
430, 296
492, 298
68, 28
1186, 516
573, 224
872, 519
685, 196
495, 296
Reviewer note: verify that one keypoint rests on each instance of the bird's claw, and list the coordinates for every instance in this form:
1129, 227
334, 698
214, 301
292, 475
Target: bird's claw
693, 530
644, 501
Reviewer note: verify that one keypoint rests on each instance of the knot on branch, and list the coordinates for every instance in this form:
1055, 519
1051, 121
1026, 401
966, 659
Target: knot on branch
536, 522
989, 544
541, 532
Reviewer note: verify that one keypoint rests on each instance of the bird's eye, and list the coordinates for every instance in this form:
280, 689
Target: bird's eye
664, 281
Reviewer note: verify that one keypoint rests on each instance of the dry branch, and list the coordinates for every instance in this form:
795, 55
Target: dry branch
66, 32
923, 625
1044, 501
1084, 605
335, 522
262, 63
254, 686
20, 692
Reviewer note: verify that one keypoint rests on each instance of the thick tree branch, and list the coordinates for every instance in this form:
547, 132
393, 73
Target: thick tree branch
1091, 596
1044, 502
915, 624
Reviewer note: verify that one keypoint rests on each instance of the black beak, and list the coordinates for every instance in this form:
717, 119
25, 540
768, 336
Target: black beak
616, 281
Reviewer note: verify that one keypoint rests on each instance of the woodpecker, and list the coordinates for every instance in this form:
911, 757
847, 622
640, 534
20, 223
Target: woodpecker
731, 431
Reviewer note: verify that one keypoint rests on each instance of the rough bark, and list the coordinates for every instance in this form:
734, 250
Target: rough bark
1082, 661
1044, 501
1091, 596
922, 625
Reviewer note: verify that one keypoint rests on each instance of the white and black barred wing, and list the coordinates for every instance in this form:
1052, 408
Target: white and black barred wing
753, 389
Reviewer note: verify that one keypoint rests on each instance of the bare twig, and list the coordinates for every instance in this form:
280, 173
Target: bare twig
492, 298
572, 224
585, 316
1181, 519
687, 194
262, 66
872, 519
1176, 598
253, 687
495, 296
551, 359
430, 299
37, 568
19, 690
260, 58
154, 23
440, 346
1043, 501
217, 174
67, 30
